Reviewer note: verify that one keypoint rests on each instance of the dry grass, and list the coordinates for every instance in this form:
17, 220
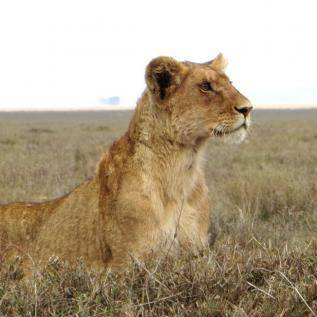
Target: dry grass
264, 196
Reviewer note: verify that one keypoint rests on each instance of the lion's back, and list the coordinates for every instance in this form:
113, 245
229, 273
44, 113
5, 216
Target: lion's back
20, 223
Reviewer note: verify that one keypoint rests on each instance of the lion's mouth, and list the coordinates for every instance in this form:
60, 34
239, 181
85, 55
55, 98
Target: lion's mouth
222, 132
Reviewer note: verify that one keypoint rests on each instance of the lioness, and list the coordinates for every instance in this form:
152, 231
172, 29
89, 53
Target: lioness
149, 192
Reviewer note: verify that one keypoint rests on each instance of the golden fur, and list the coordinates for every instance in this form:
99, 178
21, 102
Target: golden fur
149, 191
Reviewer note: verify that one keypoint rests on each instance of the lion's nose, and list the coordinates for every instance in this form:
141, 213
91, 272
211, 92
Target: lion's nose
244, 110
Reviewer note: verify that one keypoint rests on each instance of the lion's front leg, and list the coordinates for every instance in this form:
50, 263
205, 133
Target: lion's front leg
129, 231
194, 224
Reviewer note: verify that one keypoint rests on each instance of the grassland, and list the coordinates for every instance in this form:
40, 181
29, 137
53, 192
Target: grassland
264, 211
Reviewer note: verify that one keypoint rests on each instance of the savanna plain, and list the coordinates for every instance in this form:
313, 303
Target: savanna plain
263, 196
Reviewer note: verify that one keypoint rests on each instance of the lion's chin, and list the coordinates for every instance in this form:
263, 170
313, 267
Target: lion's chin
235, 136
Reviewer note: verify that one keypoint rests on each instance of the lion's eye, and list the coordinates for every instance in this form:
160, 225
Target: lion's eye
206, 86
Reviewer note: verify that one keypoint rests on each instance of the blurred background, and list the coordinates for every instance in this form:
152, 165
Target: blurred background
78, 54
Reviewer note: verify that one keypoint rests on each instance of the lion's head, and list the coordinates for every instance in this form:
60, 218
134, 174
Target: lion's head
198, 99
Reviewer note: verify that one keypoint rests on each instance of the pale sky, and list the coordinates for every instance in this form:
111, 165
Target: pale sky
74, 52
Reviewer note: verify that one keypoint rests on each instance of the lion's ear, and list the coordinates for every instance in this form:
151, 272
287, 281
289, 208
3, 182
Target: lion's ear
163, 76
219, 63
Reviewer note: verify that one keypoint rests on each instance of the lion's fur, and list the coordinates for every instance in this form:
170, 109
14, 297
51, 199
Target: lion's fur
149, 191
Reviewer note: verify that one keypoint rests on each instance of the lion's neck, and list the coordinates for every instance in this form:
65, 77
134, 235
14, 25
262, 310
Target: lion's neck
173, 165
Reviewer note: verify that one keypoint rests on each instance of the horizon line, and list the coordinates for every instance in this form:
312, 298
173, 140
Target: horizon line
270, 106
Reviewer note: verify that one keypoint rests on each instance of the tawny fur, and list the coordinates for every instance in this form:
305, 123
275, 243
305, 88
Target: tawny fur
149, 192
